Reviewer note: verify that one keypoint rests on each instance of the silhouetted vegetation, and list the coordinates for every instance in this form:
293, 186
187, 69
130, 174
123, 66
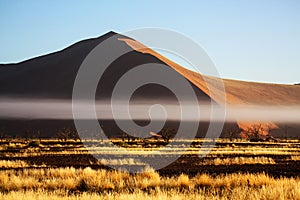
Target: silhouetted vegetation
256, 133
66, 134
34, 143
167, 134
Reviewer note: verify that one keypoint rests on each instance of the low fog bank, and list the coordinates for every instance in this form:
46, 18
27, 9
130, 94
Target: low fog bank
62, 109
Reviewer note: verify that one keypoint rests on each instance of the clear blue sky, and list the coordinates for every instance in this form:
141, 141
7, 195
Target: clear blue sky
248, 40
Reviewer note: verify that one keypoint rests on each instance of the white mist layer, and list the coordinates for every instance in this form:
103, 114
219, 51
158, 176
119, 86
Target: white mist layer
62, 109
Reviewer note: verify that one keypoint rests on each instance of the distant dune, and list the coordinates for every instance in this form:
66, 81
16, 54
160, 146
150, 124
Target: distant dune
52, 77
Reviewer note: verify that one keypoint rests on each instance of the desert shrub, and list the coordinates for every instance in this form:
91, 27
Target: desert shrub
82, 186
34, 143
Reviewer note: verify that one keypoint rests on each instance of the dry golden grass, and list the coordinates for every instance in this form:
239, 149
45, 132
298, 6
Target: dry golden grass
238, 148
239, 161
295, 158
127, 161
70, 183
86, 183
247, 193
12, 164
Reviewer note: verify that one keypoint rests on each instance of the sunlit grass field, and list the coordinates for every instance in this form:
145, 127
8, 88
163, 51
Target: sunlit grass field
70, 183
56, 169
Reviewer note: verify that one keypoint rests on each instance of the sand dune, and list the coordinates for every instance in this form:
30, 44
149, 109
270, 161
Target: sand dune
52, 77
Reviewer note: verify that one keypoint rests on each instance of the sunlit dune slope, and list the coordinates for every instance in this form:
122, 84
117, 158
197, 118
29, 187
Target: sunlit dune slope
237, 93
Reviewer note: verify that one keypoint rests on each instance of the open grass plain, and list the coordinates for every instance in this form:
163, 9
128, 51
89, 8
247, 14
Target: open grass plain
68, 169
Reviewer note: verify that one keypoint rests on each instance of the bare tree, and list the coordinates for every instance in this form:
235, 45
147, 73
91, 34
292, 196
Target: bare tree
2, 134
123, 136
167, 134
37, 135
254, 133
66, 134
27, 135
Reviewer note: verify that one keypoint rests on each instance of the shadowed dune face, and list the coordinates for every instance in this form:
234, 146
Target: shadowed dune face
36, 94
51, 78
